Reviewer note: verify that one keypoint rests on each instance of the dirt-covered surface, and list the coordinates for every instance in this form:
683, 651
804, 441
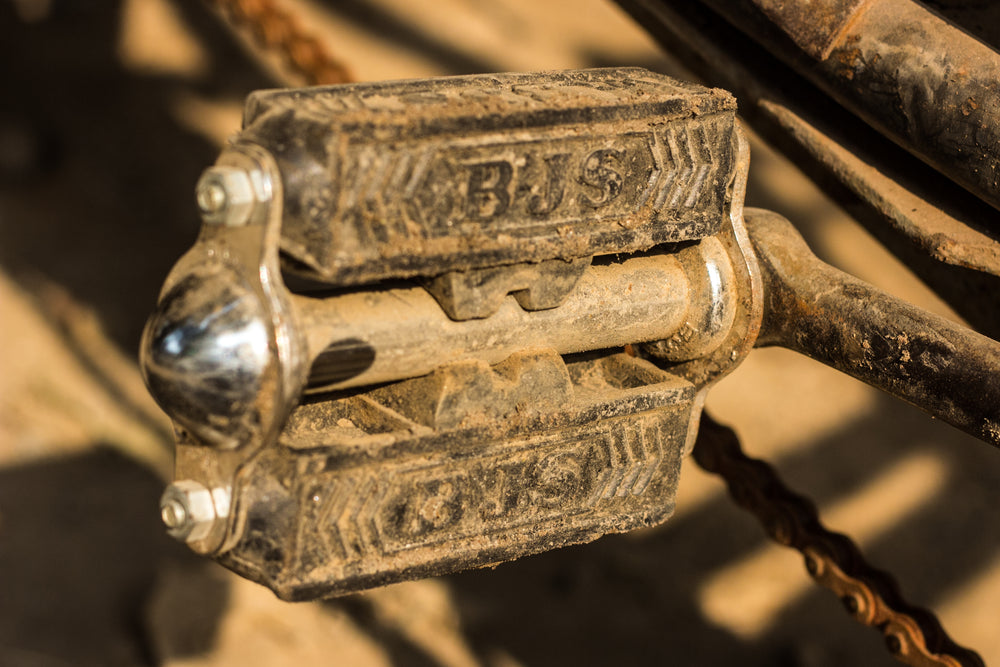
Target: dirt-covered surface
110, 110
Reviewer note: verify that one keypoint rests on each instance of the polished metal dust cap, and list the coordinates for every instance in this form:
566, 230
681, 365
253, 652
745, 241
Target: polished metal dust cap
206, 355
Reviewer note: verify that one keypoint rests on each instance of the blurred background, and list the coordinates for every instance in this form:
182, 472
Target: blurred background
110, 110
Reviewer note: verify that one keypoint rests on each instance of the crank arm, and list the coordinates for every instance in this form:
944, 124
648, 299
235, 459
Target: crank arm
945, 369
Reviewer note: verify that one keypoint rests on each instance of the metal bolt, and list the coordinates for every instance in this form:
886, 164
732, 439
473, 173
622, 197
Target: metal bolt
190, 510
173, 513
226, 195
211, 198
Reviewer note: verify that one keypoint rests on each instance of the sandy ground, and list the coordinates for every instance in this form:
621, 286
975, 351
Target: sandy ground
111, 109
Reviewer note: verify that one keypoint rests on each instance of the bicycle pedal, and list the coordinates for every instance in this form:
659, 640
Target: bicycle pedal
441, 324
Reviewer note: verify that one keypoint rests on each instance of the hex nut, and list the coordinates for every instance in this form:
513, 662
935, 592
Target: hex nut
190, 510
226, 196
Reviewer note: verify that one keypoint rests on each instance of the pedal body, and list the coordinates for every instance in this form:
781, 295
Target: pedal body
418, 478
420, 178
510, 295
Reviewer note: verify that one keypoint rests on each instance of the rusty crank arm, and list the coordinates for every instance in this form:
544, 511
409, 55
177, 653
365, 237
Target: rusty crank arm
943, 368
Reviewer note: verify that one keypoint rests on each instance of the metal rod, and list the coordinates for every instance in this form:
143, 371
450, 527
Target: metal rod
943, 368
919, 80
379, 336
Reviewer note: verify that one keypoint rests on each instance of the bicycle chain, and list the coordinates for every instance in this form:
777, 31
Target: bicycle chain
278, 30
912, 634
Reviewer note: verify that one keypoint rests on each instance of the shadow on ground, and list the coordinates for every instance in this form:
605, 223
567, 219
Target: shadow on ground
80, 552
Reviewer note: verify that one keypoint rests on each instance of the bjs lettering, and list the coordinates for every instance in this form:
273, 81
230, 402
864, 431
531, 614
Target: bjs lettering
492, 190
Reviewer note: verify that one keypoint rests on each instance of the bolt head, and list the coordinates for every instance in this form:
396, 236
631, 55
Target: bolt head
211, 198
226, 196
191, 510
173, 513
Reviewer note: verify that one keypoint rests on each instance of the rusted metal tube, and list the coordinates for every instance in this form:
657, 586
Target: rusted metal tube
921, 81
930, 223
943, 368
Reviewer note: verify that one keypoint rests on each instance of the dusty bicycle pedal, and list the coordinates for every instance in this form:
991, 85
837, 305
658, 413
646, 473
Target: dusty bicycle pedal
512, 292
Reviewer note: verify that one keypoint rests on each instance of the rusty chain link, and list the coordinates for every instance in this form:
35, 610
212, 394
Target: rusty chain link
277, 30
912, 634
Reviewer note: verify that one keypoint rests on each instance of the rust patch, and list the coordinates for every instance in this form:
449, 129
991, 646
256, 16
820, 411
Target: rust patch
815, 27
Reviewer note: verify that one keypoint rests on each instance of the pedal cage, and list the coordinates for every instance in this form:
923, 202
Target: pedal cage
468, 467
